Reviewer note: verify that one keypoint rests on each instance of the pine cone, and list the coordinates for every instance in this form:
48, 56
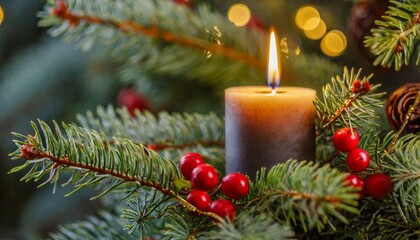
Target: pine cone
363, 16
398, 105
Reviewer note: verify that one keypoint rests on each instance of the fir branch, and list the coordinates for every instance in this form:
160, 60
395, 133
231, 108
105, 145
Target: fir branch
396, 36
169, 134
403, 165
342, 105
93, 161
248, 226
164, 131
150, 57
105, 226
303, 193
154, 31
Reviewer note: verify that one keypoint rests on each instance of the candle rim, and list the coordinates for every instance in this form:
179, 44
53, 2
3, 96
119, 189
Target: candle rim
264, 90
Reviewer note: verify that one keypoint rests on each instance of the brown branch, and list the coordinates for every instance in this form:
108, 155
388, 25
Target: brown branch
296, 194
29, 152
338, 113
153, 31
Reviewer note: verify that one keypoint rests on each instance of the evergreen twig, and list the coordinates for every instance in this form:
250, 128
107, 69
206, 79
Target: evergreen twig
396, 35
154, 31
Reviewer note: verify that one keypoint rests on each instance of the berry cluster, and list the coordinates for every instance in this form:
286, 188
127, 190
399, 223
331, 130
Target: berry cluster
361, 86
377, 185
204, 178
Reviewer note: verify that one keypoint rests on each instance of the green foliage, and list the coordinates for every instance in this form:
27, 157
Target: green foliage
340, 106
308, 194
173, 134
248, 226
404, 167
91, 157
105, 226
396, 37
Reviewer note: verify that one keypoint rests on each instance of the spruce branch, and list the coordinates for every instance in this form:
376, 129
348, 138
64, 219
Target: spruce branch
404, 168
95, 161
342, 104
158, 38
248, 226
106, 225
169, 134
303, 193
154, 31
396, 36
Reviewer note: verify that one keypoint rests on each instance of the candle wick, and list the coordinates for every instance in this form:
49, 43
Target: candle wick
273, 84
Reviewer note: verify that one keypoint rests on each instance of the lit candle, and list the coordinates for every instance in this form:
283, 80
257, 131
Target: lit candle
268, 125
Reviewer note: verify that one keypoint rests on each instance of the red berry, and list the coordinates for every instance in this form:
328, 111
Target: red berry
378, 185
204, 177
199, 199
367, 86
223, 208
187, 3
132, 100
344, 140
355, 181
357, 84
358, 159
152, 147
235, 185
188, 162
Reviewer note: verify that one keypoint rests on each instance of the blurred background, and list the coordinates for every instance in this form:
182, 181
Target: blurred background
43, 77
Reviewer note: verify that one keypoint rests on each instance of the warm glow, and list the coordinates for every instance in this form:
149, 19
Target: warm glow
317, 32
307, 18
1, 15
239, 14
273, 74
334, 43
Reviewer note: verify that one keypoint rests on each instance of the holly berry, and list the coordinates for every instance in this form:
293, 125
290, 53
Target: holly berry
378, 185
132, 100
358, 159
345, 139
187, 3
355, 181
188, 162
204, 177
200, 199
235, 185
223, 208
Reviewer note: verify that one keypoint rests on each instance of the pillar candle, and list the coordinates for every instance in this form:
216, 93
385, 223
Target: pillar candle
264, 128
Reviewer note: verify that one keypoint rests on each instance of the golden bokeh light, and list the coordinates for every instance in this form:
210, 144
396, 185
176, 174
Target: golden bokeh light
239, 14
1, 15
334, 43
307, 18
317, 32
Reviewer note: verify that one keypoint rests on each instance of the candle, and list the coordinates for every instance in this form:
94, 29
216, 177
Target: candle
268, 125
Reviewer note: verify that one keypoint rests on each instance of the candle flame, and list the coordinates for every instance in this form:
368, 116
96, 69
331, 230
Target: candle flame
273, 74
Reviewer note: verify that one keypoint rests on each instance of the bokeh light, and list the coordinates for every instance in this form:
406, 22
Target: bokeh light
334, 43
1, 15
239, 14
290, 43
317, 32
307, 18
